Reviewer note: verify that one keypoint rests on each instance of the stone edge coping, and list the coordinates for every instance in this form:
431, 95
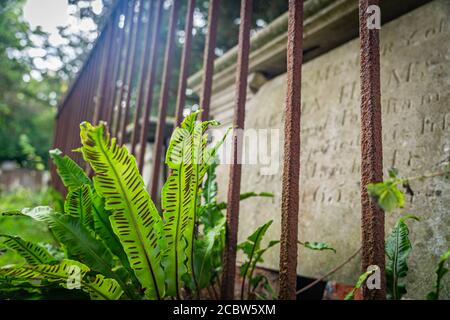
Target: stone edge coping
273, 30
268, 46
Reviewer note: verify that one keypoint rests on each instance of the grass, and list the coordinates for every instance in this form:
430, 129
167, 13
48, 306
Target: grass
23, 226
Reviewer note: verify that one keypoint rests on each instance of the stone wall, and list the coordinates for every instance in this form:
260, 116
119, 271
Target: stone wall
13, 178
416, 139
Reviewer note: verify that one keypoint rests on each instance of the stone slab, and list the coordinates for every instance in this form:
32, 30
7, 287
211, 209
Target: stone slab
416, 140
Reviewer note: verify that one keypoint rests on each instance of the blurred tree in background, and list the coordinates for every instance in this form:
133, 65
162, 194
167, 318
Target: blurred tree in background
36, 69
24, 101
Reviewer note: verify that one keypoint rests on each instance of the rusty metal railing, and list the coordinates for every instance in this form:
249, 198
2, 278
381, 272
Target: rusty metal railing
291, 167
234, 187
117, 83
372, 223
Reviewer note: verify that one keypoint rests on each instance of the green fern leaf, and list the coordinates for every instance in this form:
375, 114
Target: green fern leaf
103, 229
177, 201
69, 171
79, 204
441, 271
33, 253
102, 288
80, 243
398, 248
361, 280
63, 273
134, 217
188, 159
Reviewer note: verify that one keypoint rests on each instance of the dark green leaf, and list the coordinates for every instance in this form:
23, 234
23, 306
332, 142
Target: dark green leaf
69, 171
393, 173
33, 253
441, 271
79, 204
319, 246
361, 280
398, 248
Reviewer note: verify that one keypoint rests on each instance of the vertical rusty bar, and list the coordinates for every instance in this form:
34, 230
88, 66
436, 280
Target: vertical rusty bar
118, 49
164, 99
94, 87
185, 56
129, 60
105, 69
372, 217
150, 83
56, 144
208, 58
137, 34
234, 187
82, 109
104, 49
144, 64
76, 111
291, 165
93, 84
123, 66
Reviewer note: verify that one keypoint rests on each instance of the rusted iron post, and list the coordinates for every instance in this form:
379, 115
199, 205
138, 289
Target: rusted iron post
164, 99
127, 88
185, 56
124, 63
89, 110
106, 69
372, 223
118, 49
133, 69
93, 83
145, 60
291, 165
208, 58
234, 187
148, 101
105, 48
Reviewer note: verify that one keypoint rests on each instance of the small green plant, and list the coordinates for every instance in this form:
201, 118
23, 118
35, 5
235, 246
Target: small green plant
317, 246
252, 249
111, 231
210, 240
398, 246
254, 253
361, 280
441, 271
387, 193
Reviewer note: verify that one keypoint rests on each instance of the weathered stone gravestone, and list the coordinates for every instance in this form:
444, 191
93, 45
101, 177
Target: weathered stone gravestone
415, 60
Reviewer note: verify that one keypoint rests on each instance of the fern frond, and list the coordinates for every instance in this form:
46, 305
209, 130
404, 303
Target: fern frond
134, 217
